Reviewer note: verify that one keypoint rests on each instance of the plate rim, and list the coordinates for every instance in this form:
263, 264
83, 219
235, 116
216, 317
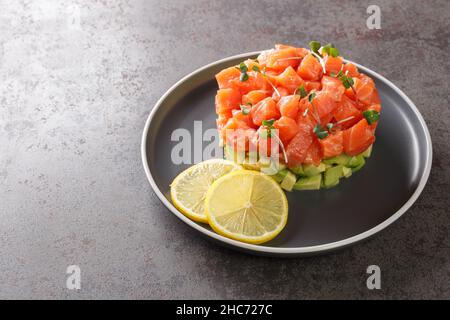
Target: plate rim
292, 250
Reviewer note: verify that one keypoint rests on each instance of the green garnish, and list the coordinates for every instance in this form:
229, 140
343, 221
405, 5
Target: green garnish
346, 80
244, 76
301, 91
244, 109
268, 123
320, 132
311, 96
330, 126
330, 50
371, 116
315, 46
255, 68
242, 67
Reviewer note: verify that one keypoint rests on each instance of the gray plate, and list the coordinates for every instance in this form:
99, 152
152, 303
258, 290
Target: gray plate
319, 221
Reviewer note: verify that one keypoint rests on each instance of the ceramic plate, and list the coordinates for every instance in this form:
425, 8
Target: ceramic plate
319, 221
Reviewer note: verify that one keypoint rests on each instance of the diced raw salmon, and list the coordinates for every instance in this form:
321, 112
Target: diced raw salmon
333, 86
287, 128
269, 92
280, 59
310, 68
364, 87
332, 145
288, 106
324, 104
239, 115
346, 109
264, 110
351, 70
306, 117
314, 153
289, 79
358, 138
333, 64
298, 146
313, 85
253, 97
226, 100
227, 77
255, 81
301, 52
279, 93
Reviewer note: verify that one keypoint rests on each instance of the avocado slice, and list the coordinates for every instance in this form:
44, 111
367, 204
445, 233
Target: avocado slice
280, 175
298, 170
330, 185
368, 152
332, 175
358, 167
288, 181
340, 159
310, 170
347, 172
356, 161
309, 183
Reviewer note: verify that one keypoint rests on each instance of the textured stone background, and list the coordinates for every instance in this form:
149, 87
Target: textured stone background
74, 96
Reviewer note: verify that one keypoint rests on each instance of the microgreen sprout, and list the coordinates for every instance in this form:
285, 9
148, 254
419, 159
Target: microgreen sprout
320, 131
371, 116
301, 91
243, 69
268, 125
271, 133
314, 46
330, 50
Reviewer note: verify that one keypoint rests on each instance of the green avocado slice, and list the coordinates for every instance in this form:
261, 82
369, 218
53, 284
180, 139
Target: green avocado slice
311, 170
356, 161
359, 166
332, 175
340, 159
309, 183
347, 172
280, 175
288, 181
298, 170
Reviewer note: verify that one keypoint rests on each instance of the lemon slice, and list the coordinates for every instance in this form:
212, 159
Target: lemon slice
247, 206
188, 189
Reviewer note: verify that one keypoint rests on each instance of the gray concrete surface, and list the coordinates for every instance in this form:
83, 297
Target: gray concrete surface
77, 81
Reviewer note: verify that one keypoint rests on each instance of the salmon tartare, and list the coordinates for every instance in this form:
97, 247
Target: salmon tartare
317, 112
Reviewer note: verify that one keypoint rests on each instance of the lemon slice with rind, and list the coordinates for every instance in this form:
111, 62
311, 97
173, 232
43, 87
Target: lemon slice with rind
248, 206
188, 190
